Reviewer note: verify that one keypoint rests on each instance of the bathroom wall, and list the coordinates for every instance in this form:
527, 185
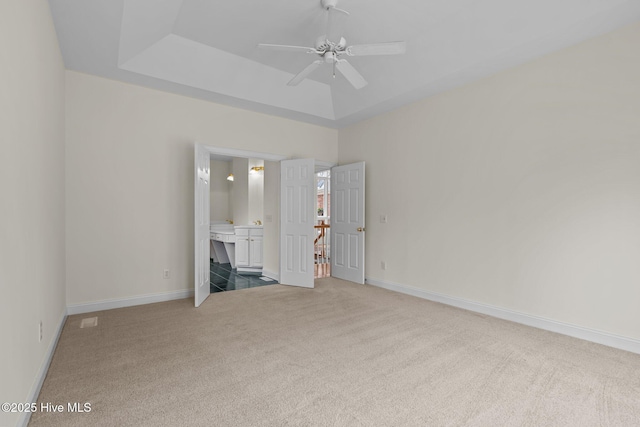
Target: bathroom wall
240, 191
256, 192
220, 189
247, 191
271, 221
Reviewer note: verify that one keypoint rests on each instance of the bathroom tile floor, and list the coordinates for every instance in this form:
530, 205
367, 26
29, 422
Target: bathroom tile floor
224, 278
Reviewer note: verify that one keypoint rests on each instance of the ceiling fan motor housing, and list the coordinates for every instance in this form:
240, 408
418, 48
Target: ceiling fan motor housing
322, 44
325, 45
329, 4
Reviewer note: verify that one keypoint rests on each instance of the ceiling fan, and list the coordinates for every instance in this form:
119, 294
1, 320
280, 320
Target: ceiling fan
331, 52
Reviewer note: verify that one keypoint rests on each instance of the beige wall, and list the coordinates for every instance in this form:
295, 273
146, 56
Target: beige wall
32, 266
521, 191
129, 165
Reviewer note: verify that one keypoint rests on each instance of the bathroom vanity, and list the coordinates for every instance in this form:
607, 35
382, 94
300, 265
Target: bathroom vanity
241, 246
223, 239
248, 254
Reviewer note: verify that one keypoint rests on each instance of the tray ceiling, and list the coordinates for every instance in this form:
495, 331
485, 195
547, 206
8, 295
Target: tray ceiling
207, 48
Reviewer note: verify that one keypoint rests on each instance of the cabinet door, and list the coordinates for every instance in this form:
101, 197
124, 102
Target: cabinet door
255, 249
242, 251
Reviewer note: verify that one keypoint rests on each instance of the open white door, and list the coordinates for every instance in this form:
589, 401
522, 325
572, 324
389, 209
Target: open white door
347, 222
297, 191
201, 222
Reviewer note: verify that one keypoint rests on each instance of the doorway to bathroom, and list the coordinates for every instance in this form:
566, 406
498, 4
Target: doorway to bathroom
293, 217
237, 198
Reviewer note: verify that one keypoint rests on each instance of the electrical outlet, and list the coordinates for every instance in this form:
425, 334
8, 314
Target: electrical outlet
383, 218
40, 331
383, 265
165, 274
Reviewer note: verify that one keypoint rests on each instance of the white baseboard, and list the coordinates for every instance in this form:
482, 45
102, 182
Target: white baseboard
575, 331
42, 373
271, 274
127, 302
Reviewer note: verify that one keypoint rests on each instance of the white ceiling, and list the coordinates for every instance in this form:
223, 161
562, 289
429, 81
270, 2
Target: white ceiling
207, 48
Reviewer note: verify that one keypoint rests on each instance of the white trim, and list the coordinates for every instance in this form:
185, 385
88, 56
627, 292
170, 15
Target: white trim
128, 302
271, 274
42, 373
232, 152
575, 331
321, 166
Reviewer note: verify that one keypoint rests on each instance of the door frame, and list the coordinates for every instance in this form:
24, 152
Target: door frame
249, 154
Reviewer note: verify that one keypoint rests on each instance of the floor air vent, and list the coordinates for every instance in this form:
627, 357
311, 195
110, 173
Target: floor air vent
89, 322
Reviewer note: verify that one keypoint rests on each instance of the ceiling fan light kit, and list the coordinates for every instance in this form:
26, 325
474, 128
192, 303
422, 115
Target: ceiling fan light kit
330, 53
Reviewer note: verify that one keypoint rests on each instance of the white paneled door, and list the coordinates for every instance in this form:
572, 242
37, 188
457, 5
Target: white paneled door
297, 196
201, 222
347, 222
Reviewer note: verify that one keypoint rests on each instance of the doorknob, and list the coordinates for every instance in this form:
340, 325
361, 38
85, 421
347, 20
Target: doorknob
361, 229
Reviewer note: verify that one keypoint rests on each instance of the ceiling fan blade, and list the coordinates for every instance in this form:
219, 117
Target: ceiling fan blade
392, 48
287, 48
304, 73
351, 74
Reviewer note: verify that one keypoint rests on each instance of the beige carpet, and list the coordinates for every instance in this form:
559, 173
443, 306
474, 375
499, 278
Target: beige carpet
339, 355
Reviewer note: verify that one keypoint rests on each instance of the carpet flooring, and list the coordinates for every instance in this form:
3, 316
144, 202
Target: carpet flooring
337, 355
